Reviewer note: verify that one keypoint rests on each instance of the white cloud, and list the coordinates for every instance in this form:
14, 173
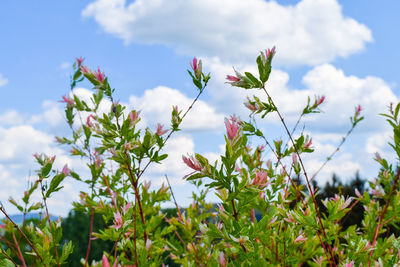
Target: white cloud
3, 80
19, 143
52, 114
10, 117
310, 32
156, 107
342, 94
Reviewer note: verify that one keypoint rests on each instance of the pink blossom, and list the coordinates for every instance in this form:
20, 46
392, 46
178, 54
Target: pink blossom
118, 222
250, 106
133, 116
221, 259
99, 75
260, 179
308, 144
146, 185
358, 110
160, 130
193, 64
232, 78
350, 264
85, 69
192, 163
2, 226
88, 120
320, 100
270, 52
65, 170
105, 262
127, 206
300, 238
148, 244
163, 189
196, 67
67, 100
36, 155
294, 159
79, 61
175, 109
232, 127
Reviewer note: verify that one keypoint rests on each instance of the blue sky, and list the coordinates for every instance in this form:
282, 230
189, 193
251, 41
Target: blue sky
346, 50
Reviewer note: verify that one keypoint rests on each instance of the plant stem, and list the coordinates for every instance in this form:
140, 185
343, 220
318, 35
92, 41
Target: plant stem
8, 257
306, 176
22, 233
19, 251
48, 219
396, 180
90, 236
333, 153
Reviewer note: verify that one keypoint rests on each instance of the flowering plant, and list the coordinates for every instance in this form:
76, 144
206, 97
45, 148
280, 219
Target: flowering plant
265, 216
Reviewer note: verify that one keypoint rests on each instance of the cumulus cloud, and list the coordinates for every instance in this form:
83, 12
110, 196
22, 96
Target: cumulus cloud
11, 117
343, 92
155, 109
17, 167
3, 80
310, 32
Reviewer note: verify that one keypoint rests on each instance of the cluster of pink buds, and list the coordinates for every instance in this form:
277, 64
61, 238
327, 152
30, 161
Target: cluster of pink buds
160, 130
358, 110
192, 163
232, 127
99, 75
261, 179
235, 80
106, 263
79, 61
196, 67
134, 117
67, 100
269, 53
118, 222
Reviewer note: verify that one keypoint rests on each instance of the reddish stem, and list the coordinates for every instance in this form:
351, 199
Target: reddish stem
396, 180
90, 237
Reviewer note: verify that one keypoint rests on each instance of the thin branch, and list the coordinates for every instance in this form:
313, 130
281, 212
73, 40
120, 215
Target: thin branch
396, 180
90, 237
306, 176
8, 257
19, 250
22, 233
48, 219
173, 196
333, 153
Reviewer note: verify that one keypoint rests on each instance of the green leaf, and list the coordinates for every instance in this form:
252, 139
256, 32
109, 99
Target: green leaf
255, 82
55, 182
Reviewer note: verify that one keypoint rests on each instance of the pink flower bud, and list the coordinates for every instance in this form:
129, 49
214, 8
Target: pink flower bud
160, 130
270, 52
221, 259
232, 127
358, 110
148, 244
99, 75
67, 100
79, 61
192, 163
85, 69
65, 170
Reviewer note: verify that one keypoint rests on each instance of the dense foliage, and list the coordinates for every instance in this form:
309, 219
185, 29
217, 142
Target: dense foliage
266, 216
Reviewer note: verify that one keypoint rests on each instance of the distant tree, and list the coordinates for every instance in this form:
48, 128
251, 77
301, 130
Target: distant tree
337, 187
76, 228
